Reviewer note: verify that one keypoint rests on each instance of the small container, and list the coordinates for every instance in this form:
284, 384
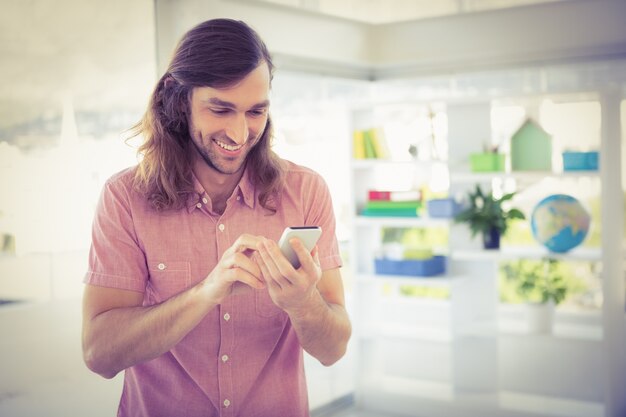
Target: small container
417, 253
411, 267
580, 161
487, 162
445, 208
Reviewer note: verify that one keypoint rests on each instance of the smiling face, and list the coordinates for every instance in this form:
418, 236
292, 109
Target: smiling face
226, 123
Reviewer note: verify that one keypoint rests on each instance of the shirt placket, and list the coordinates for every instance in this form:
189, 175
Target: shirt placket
225, 377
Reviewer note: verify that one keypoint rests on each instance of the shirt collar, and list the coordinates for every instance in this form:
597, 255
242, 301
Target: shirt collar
244, 190
196, 197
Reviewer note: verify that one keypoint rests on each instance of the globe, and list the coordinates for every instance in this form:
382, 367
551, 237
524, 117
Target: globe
560, 222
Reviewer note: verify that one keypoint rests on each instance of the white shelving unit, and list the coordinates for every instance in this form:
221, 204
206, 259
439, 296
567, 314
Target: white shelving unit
460, 361
452, 332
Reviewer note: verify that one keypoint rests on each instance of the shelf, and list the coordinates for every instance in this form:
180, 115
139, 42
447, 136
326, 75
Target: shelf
508, 254
434, 281
570, 325
371, 163
426, 333
389, 330
401, 221
467, 176
517, 328
528, 176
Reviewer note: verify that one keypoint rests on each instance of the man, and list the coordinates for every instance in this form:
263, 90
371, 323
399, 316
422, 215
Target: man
187, 290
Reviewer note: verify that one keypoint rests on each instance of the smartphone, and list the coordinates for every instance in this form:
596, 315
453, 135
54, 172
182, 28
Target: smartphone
307, 234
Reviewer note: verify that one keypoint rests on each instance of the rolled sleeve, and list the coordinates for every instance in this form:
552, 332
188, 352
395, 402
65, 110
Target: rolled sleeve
116, 259
320, 212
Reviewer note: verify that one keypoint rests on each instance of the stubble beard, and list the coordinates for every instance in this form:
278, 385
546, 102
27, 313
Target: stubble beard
212, 160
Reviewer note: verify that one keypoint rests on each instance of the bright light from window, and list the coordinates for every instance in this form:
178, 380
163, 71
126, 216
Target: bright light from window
574, 126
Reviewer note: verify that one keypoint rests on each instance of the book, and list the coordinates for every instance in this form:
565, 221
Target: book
390, 212
376, 136
382, 195
370, 152
414, 204
358, 146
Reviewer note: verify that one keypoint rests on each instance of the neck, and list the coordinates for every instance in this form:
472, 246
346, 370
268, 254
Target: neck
218, 186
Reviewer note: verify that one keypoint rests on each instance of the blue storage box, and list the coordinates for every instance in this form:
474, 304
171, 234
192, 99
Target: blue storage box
411, 267
580, 161
443, 208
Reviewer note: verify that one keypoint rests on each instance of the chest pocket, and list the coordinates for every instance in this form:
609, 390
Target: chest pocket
167, 278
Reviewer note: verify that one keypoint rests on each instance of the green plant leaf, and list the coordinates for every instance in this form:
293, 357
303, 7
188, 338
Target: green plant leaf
485, 212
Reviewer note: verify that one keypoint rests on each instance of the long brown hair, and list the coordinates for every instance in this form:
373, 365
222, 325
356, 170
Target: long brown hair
217, 53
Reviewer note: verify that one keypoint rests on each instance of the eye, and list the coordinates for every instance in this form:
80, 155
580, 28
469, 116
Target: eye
257, 112
220, 111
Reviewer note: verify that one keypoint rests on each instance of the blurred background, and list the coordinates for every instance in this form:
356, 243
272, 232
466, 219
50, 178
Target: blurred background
405, 107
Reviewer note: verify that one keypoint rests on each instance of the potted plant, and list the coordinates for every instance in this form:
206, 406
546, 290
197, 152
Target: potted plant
542, 285
485, 215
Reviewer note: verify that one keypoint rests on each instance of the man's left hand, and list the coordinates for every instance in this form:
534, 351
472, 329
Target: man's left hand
291, 289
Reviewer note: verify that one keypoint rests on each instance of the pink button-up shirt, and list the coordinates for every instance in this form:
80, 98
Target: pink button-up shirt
244, 358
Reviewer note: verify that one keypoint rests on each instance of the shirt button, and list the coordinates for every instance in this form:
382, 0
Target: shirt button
204, 200
221, 227
238, 197
161, 266
226, 402
225, 358
226, 316
199, 205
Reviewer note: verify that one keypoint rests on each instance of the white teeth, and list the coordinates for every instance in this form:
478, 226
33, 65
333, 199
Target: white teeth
228, 147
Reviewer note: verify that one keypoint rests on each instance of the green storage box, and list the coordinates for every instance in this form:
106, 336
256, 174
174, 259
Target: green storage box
487, 162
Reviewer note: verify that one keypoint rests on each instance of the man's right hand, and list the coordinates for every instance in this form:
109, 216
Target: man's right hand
236, 265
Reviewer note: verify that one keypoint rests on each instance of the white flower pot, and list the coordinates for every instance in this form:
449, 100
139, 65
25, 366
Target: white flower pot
540, 317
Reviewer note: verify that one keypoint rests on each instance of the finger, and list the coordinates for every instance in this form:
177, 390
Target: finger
272, 258
256, 257
238, 274
240, 260
285, 268
240, 267
267, 260
315, 253
304, 256
269, 281
310, 262
243, 243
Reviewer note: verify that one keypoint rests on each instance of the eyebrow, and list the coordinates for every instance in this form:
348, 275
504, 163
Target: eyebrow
227, 104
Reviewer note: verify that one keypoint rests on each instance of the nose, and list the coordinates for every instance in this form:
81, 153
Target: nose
237, 130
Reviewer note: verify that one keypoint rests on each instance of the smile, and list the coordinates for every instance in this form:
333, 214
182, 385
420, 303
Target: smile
231, 148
